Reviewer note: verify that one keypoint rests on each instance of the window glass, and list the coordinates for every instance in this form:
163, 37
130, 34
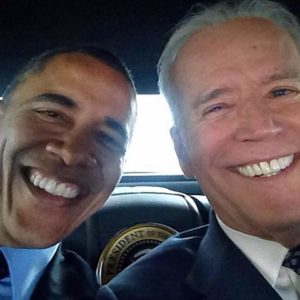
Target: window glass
151, 149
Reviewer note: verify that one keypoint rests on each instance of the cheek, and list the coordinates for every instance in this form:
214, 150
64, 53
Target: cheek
112, 169
206, 144
21, 131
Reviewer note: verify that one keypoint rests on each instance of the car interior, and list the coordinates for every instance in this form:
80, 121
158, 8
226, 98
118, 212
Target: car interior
148, 205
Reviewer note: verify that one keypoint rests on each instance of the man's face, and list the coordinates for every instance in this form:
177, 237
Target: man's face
239, 88
63, 138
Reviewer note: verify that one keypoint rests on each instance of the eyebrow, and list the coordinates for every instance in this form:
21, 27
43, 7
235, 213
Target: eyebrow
56, 98
288, 74
208, 96
116, 126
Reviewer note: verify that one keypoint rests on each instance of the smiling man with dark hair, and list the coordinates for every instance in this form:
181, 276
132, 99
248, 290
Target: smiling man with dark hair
65, 123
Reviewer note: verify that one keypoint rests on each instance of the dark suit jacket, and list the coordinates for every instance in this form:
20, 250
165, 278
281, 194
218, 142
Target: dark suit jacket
201, 263
67, 277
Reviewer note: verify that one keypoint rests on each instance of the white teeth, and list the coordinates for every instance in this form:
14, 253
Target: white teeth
66, 190
43, 183
50, 186
250, 171
37, 179
69, 193
60, 189
257, 169
284, 162
265, 168
274, 165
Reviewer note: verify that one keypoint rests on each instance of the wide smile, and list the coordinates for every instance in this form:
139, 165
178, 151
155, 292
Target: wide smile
266, 168
52, 186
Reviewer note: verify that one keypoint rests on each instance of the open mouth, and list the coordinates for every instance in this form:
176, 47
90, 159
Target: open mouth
52, 186
267, 168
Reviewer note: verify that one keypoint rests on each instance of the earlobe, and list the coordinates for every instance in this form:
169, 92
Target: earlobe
182, 152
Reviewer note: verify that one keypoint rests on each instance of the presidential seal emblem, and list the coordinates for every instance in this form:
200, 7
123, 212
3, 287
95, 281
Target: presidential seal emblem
128, 246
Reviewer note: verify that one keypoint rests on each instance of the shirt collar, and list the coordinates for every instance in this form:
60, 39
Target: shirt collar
26, 267
267, 260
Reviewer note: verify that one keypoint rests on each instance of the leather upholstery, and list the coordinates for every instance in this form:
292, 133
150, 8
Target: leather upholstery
129, 206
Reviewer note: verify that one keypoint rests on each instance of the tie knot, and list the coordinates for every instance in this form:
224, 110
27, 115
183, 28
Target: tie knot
292, 260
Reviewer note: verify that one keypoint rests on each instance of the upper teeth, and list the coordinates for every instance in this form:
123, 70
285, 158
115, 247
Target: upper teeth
270, 168
54, 187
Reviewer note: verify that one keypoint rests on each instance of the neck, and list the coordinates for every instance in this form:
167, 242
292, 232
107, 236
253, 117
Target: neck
287, 235
289, 238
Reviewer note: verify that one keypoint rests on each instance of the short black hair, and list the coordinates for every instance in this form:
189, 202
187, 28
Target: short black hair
37, 63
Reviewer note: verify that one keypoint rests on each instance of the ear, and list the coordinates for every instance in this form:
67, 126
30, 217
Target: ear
182, 152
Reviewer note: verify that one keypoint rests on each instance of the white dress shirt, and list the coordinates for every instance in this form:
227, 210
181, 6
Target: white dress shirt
267, 256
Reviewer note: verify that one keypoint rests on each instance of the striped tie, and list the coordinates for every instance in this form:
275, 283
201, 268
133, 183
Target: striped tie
292, 260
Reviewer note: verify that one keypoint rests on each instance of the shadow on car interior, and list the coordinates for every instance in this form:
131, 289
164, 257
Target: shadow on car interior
136, 218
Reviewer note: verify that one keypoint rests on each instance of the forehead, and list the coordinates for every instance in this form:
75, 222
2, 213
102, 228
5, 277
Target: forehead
234, 45
78, 67
84, 79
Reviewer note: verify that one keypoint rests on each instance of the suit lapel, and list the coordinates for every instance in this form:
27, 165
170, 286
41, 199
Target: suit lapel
66, 277
221, 271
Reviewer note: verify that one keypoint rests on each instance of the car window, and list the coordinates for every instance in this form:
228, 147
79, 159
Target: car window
151, 149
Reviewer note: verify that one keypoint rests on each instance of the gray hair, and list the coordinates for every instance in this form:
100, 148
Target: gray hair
214, 15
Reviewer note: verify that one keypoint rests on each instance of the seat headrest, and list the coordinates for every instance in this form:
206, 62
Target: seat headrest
129, 207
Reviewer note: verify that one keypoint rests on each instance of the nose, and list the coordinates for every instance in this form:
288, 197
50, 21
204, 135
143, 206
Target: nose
257, 122
73, 150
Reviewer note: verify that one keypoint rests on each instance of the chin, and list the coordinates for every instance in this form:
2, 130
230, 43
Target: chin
35, 237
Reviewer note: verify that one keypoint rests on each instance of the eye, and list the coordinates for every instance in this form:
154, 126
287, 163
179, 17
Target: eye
50, 114
212, 109
281, 92
109, 142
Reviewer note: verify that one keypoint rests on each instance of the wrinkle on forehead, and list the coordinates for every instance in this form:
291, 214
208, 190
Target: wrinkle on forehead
241, 30
232, 42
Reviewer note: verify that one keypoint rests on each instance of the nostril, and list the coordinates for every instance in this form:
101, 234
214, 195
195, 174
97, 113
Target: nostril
71, 153
71, 156
58, 150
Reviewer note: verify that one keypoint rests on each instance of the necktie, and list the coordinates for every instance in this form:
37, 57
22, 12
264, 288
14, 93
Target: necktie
292, 260
4, 272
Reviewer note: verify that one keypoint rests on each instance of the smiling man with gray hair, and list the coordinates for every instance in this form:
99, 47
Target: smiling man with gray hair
231, 75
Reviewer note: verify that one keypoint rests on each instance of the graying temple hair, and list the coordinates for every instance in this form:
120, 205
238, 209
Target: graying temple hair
213, 15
